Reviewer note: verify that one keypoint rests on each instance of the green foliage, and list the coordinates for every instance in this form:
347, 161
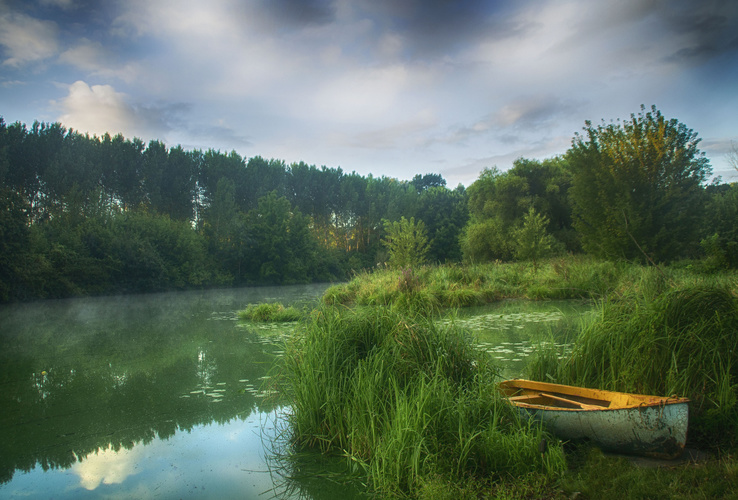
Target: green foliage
596, 475
637, 188
405, 400
270, 313
532, 241
500, 202
279, 246
486, 241
721, 243
444, 214
407, 242
14, 241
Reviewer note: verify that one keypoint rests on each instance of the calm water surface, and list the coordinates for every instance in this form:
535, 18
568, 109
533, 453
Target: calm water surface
152, 396
169, 396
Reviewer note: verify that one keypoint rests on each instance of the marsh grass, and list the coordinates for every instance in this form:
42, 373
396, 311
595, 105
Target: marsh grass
270, 313
436, 288
406, 400
682, 341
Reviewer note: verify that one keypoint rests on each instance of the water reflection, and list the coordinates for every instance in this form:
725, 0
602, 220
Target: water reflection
101, 386
211, 461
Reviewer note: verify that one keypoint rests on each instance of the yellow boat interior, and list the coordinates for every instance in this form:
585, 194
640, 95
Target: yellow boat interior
529, 393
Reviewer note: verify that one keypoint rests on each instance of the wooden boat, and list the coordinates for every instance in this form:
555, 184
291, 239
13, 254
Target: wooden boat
615, 421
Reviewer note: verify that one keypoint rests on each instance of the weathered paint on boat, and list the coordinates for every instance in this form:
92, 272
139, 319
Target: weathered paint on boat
616, 421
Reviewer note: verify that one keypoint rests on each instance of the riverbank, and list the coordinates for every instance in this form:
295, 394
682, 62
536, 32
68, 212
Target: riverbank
347, 399
433, 288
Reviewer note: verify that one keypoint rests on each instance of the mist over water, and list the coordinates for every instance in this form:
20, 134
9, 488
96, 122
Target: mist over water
114, 395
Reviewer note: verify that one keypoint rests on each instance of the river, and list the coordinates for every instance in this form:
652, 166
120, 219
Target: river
169, 395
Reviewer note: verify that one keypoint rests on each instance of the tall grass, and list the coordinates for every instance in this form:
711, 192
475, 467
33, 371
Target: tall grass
434, 288
408, 401
679, 341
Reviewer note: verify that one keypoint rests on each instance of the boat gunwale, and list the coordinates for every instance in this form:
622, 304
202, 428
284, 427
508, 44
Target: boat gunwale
647, 401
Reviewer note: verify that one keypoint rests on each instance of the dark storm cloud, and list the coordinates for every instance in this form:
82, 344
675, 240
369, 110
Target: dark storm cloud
299, 12
709, 28
439, 27
69, 15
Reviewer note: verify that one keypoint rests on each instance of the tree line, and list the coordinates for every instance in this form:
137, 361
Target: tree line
83, 214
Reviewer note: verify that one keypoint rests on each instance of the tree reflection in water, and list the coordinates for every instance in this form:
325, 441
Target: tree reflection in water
91, 384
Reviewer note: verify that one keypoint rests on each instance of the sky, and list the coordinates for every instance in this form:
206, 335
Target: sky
384, 87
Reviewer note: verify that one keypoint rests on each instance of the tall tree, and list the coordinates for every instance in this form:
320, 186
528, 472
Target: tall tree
427, 181
407, 242
445, 214
637, 187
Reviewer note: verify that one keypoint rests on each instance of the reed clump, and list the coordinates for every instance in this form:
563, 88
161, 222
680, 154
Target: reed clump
408, 401
274, 312
680, 341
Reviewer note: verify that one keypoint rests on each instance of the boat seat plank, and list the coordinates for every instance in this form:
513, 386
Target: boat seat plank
583, 406
524, 397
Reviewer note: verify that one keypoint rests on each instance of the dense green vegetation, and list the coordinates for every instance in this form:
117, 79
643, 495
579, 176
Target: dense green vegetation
93, 215
373, 377
435, 288
412, 404
637, 188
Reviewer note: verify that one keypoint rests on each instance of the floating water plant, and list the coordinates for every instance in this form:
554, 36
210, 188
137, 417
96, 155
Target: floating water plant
270, 313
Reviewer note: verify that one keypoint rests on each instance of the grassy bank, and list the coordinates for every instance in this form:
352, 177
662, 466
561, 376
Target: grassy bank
433, 288
412, 404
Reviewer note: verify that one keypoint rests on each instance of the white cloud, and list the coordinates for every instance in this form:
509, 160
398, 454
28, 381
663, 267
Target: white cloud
107, 466
26, 39
94, 59
97, 109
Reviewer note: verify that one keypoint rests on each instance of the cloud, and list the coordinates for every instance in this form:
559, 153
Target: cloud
517, 120
534, 112
107, 466
402, 134
433, 29
26, 39
63, 4
98, 109
299, 12
702, 30
86, 55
